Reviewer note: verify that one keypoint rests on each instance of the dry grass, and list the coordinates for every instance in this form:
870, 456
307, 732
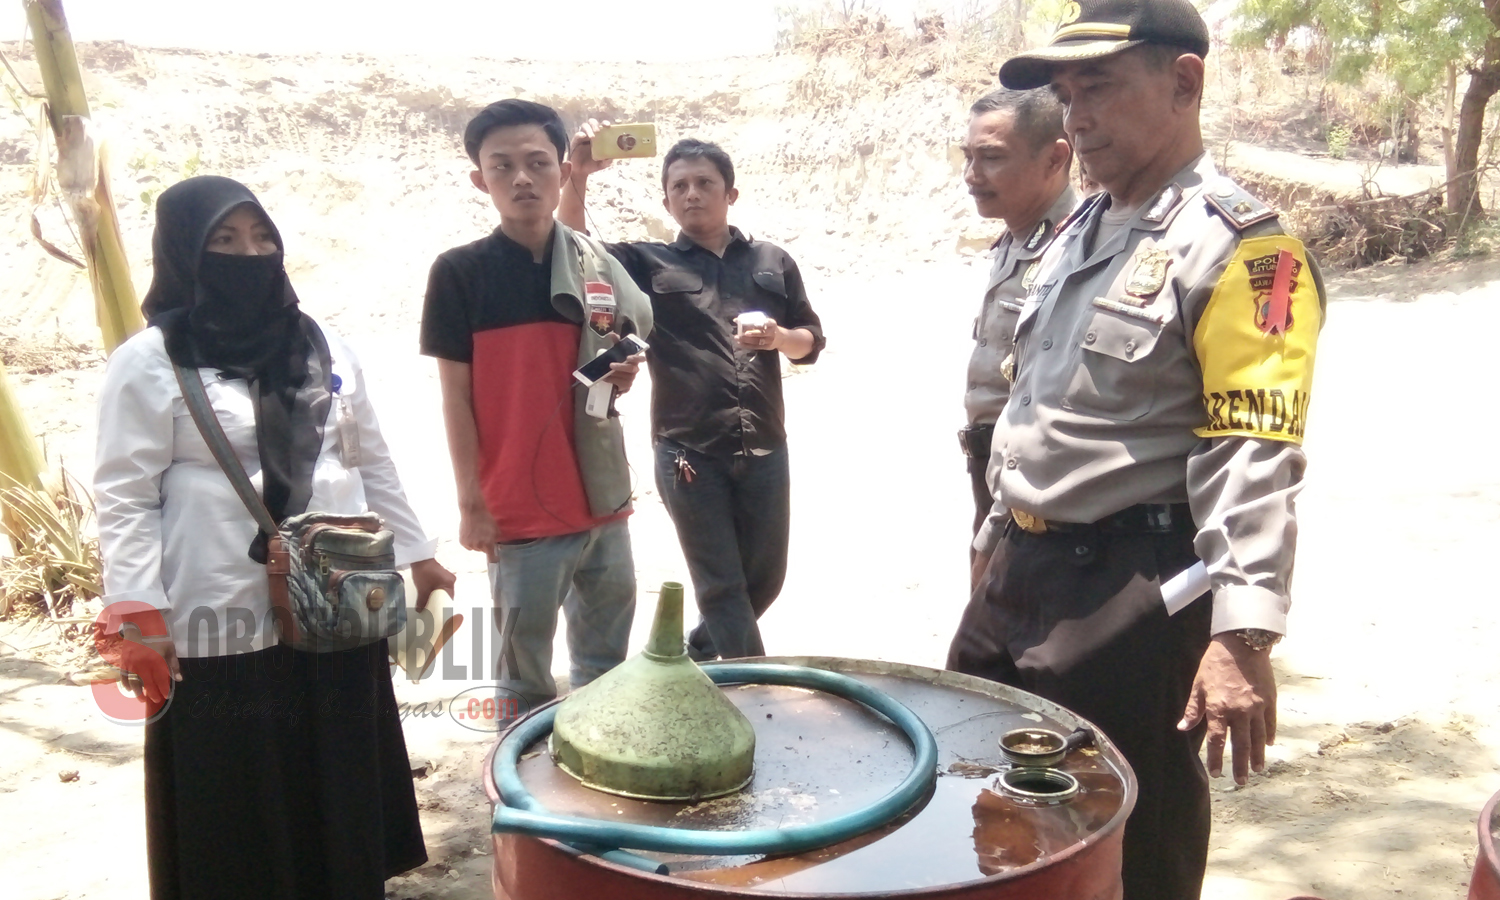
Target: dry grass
890, 56
54, 573
33, 356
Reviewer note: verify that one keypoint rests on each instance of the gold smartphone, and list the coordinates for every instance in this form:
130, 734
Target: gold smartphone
625, 141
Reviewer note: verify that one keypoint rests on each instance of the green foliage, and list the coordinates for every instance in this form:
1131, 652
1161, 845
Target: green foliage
1339, 137
1479, 238
1411, 42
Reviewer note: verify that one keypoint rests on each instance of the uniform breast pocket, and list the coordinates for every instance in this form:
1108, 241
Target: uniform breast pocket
1116, 374
676, 281
771, 282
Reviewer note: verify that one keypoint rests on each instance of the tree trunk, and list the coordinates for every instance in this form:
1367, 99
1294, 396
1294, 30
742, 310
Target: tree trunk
1450, 100
1484, 82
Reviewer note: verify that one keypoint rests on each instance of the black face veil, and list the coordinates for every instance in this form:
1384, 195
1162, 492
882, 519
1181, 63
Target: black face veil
239, 315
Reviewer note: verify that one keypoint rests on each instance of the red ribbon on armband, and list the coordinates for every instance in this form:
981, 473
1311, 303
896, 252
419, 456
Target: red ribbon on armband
1278, 306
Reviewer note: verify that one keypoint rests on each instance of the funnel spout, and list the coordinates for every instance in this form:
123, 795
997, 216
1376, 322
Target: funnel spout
666, 630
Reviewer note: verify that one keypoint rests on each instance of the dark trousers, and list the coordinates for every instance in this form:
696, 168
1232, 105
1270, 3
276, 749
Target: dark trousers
733, 521
1078, 619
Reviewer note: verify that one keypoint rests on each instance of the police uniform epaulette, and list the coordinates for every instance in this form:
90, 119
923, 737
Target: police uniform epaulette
1082, 210
1238, 206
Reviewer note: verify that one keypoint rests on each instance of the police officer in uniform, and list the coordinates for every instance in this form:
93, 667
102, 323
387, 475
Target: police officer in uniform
1164, 366
1016, 163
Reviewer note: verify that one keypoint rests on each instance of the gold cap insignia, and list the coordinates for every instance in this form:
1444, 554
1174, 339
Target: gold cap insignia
1070, 12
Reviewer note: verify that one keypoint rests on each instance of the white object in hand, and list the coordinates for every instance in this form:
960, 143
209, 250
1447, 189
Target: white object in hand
752, 320
416, 646
597, 404
1185, 587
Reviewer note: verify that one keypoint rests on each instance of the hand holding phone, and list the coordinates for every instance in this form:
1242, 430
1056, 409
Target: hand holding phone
598, 367
634, 140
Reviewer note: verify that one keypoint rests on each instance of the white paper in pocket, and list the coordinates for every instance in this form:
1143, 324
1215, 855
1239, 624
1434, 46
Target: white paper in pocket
1185, 587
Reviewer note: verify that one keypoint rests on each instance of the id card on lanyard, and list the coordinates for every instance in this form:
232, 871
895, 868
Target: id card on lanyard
348, 428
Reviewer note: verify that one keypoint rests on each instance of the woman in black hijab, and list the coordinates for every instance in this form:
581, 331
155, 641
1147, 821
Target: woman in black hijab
269, 772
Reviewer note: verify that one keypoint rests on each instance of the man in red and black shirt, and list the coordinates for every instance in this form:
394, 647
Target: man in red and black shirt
717, 417
543, 486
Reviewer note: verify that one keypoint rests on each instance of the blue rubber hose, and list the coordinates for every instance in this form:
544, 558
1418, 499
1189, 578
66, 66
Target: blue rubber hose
519, 812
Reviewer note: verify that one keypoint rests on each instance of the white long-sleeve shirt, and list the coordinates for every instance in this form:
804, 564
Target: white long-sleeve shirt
173, 533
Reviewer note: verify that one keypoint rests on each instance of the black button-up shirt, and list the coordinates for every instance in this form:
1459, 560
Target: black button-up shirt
708, 394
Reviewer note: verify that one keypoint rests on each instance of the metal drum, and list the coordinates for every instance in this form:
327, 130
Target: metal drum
1486, 883
818, 756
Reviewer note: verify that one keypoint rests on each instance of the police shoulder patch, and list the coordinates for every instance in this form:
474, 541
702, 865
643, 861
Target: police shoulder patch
1256, 342
1236, 205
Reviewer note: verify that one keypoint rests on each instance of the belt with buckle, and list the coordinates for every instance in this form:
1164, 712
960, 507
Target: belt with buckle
1149, 518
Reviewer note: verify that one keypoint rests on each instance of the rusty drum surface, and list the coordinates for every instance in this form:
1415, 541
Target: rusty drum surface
818, 756
1486, 883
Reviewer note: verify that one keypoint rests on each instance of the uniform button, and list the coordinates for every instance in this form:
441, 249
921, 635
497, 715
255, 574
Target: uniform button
1081, 550
1010, 463
1090, 338
971, 385
983, 342
1025, 399
1047, 344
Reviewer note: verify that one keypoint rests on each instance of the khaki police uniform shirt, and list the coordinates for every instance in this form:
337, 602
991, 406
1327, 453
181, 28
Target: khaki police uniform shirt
1153, 368
995, 328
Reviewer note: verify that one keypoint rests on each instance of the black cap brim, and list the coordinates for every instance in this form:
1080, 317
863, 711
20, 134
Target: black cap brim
1034, 69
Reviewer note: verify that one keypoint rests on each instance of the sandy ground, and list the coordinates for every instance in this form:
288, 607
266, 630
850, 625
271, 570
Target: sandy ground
1389, 726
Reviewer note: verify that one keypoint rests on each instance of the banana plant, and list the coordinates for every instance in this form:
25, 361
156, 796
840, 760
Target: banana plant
82, 174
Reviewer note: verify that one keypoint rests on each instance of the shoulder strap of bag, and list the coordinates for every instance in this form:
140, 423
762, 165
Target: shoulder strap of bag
218, 444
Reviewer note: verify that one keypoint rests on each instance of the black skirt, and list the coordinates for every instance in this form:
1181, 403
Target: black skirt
280, 774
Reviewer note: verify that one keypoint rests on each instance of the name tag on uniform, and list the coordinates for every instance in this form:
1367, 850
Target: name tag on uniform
601, 304
1034, 300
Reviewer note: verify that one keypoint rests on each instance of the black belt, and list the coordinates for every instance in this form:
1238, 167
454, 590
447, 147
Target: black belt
976, 440
1148, 518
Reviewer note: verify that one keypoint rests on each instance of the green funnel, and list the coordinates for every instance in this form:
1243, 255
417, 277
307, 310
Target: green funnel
654, 727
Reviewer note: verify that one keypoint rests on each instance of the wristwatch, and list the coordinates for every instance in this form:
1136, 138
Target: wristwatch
1257, 638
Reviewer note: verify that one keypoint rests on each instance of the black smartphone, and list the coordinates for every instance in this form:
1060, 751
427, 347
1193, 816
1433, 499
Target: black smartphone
598, 367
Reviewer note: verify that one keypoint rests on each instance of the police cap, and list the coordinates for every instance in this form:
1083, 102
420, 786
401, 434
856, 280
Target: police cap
1092, 29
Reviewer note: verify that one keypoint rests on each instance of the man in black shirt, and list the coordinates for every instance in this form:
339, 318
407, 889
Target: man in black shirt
724, 304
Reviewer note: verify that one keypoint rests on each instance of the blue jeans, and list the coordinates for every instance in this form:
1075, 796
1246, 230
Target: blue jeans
733, 521
591, 575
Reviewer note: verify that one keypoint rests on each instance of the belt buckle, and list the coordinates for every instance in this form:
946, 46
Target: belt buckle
1029, 523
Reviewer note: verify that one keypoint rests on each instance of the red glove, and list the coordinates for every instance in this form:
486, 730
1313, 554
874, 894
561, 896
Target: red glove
156, 669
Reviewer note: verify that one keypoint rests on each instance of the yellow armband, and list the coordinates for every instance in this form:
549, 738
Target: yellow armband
1256, 342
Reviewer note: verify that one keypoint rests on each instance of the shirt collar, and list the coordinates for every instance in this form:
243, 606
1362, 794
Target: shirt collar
685, 243
509, 247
